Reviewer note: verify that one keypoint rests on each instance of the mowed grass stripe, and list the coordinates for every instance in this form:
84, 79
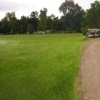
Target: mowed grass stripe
39, 67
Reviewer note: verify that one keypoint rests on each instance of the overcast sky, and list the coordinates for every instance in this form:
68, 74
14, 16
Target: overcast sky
25, 7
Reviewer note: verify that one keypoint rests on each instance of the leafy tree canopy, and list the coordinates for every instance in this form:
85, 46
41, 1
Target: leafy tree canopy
92, 19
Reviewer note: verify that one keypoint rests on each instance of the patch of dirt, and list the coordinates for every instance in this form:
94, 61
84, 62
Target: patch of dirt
90, 71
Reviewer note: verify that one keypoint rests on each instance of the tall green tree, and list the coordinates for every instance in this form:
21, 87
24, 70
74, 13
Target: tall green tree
56, 26
43, 20
92, 19
23, 22
33, 20
67, 7
5, 26
50, 22
73, 15
12, 20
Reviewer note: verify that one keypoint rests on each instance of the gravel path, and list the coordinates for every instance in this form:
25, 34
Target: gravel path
90, 71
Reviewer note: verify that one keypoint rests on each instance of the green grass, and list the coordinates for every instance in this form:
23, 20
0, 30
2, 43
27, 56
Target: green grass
39, 67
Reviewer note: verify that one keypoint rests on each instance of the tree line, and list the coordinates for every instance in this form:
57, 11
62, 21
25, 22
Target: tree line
74, 19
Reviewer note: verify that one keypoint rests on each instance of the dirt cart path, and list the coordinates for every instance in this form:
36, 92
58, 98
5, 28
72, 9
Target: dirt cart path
90, 71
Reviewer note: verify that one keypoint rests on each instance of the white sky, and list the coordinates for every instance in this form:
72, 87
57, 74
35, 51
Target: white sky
25, 7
